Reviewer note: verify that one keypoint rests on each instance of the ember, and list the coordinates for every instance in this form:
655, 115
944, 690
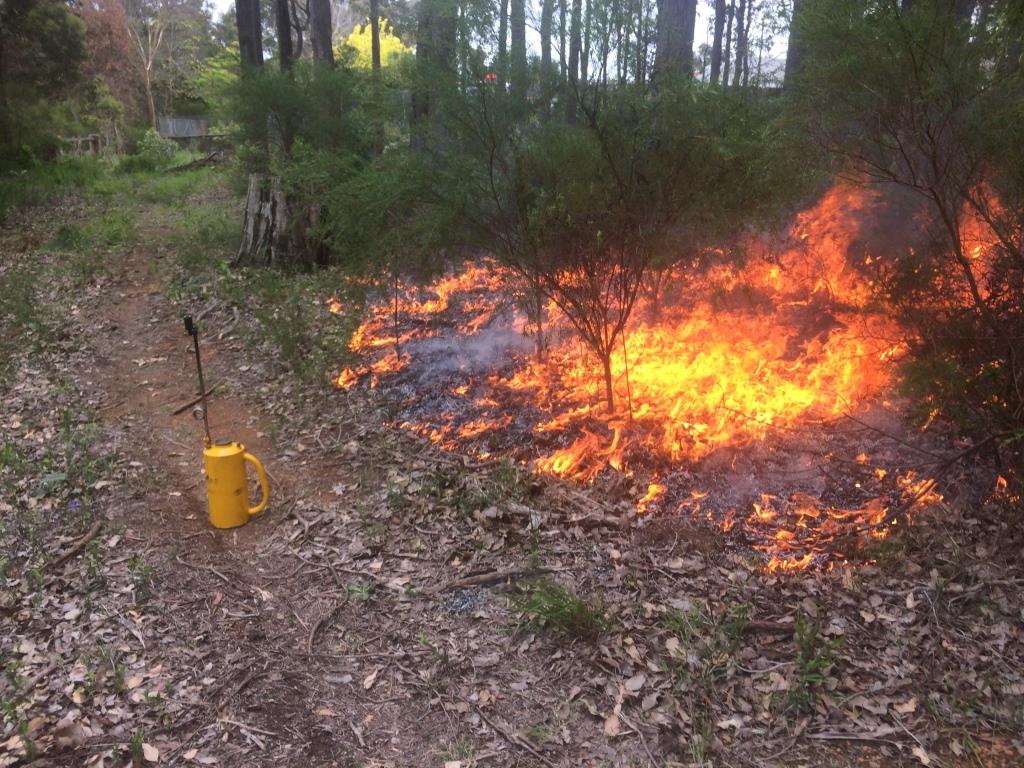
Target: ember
735, 382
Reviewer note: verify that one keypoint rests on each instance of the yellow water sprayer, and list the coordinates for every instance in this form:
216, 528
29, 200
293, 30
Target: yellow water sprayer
227, 486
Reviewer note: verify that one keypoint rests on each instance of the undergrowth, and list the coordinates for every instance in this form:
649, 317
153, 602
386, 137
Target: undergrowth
547, 605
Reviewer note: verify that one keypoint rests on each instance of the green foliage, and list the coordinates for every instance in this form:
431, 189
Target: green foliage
550, 606
330, 109
141, 574
935, 110
217, 78
19, 311
153, 153
135, 746
361, 590
815, 659
43, 45
207, 236
391, 47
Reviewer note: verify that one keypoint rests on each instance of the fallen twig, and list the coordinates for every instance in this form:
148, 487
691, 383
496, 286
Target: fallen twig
321, 621
252, 728
643, 741
866, 737
514, 739
209, 568
79, 546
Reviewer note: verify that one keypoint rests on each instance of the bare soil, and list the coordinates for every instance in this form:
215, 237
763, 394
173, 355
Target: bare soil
364, 619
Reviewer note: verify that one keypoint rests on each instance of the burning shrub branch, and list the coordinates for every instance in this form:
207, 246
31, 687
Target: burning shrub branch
936, 112
581, 210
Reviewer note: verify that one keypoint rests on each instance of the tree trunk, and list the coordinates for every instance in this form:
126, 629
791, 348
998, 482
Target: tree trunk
547, 16
297, 29
320, 30
727, 56
520, 74
273, 234
250, 33
609, 392
562, 61
674, 53
795, 51
284, 34
741, 43
574, 61
436, 39
716, 46
375, 34
640, 63
147, 81
621, 44
588, 13
503, 45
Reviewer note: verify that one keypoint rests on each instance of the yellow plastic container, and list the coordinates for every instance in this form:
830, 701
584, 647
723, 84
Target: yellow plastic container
227, 487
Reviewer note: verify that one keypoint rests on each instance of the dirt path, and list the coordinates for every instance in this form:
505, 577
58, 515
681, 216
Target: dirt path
323, 633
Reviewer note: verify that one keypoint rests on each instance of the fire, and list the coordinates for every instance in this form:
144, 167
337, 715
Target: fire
718, 356
654, 492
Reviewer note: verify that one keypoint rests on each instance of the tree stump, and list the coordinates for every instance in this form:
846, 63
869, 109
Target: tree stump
265, 237
274, 233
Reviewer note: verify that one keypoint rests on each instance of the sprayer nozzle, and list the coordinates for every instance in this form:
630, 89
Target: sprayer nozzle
190, 327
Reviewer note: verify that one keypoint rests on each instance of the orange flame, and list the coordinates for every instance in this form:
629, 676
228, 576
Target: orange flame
717, 356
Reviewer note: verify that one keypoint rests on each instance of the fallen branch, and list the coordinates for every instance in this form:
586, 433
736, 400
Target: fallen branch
213, 158
209, 568
231, 325
768, 626
321, 621
252, 728
195, 400
79, 546
514, 738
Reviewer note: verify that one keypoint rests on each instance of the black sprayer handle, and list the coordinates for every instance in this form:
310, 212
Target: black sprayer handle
193, 331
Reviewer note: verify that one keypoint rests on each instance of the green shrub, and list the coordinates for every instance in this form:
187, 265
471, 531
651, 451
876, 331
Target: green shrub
152, 153
549, 605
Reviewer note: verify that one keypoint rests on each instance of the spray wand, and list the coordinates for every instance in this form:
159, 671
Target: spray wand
193, 330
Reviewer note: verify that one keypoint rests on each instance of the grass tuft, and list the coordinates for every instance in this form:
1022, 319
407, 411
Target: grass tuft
550, 606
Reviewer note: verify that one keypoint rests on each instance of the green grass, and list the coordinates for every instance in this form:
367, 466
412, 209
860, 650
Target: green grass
97, 176
21, 315
207, 237
174, 186
814, 661
710, 640
550, 606
37, 186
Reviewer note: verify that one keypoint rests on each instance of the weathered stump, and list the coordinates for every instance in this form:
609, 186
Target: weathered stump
265, 237
274, 234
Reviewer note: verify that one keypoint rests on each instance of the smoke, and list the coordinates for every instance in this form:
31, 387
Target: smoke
471, 354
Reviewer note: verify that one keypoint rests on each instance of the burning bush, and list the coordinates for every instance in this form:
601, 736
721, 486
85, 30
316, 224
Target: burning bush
936, 110
581, 210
